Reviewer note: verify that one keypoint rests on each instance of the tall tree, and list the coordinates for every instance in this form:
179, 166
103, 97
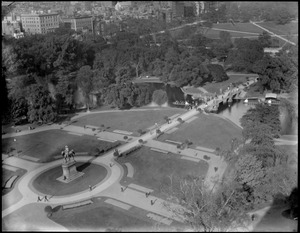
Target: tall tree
86, 81
160, 97
41, 105
249, 170
203, 210
265, 39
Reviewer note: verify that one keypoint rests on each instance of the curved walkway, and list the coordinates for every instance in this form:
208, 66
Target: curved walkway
30, 194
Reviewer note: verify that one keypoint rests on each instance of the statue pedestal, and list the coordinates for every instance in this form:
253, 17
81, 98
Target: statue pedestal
70, 172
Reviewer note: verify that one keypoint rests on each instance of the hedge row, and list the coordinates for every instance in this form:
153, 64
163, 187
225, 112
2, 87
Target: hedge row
108, 147
131, 150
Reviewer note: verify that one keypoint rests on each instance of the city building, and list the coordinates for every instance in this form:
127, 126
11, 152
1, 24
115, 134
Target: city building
98, 26
10, 26
81, 23
177, 9
40, 23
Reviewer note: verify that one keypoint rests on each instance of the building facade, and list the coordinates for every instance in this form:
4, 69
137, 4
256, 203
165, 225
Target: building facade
10, 25
81, 23
177, 9
40, 23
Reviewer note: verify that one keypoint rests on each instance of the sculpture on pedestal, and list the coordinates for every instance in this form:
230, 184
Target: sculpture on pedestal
69, 166
68, 154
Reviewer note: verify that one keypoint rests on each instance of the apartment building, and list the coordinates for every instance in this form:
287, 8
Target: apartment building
40, 23
81, 23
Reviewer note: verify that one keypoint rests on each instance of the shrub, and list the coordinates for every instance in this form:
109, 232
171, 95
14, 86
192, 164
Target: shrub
108, 147
48, 210
216, 169
140, 131
206, 157
116, 154
93, 129
141, 141
131, 150
188, 142
180, 120
217, 72
159, 97
125, 137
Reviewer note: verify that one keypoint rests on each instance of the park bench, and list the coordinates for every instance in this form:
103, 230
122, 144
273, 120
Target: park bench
158, 150
10, 182
77, 204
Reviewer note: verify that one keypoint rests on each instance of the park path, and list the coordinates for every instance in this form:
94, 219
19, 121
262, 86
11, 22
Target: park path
272, 33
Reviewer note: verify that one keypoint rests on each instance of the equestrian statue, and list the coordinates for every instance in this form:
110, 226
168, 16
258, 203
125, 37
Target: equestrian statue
68, 154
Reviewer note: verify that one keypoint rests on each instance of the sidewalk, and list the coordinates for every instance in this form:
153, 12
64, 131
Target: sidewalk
139, 200
21, 163
39, 129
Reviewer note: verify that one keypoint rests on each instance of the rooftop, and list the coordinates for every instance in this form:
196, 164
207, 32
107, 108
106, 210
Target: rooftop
34, 14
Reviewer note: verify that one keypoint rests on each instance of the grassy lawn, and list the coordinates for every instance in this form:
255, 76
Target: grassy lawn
128, 121
243, 27
215, 34
6, 174
291, 27
215, 87
102, 216
152, 169
47, 144
208, 131
47, 183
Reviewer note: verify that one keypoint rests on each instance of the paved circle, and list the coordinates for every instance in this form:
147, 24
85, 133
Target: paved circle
24, 186
46, 182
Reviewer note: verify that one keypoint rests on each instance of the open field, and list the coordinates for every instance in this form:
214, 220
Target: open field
152, 169
208, 131
47, 144
243, 27
247, 30
47, 183
126, 120
101, 217
291, 27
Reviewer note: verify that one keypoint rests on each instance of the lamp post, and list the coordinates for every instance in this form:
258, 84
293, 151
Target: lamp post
15, 140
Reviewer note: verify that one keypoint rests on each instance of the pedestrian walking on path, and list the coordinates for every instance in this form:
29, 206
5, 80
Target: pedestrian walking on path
39, 199
46, 199
90, 187
147, 194
122, 189
153, 201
